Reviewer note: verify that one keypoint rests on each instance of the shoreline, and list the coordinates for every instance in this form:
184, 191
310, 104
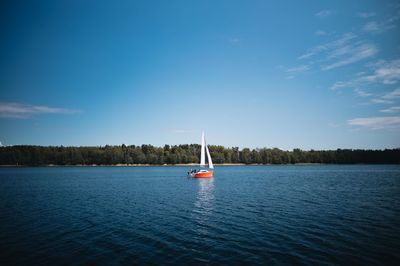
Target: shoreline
189, 165
124, 165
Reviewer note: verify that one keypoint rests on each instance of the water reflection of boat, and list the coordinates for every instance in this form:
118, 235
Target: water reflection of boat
203, 173
205, 195
204, 205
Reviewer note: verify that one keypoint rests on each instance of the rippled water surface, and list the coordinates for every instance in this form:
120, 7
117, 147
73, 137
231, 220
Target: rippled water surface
156, 215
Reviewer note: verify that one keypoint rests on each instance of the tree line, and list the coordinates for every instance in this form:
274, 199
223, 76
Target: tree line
181, 154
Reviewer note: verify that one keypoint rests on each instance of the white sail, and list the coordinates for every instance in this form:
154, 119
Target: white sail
203, 156
210, 164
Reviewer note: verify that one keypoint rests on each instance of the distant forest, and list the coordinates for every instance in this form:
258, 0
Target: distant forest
182, 154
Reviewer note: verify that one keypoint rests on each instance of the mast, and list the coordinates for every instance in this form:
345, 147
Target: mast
202, 157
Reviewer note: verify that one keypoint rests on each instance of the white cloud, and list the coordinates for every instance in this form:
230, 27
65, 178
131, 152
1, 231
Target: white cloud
376, 122
395, 94
307, 55
381, 26
380, 100
234, 40
341, 85
292, 72
298, 69
393, 109
366, 14
330, 46
377, 27
351, 54
320, 33
18, 110
345, 50
383, 72
361, 73
323, 13
371, 26
362, 93
388, 97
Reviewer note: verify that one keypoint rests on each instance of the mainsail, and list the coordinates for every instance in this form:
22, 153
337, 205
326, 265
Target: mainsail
203, 156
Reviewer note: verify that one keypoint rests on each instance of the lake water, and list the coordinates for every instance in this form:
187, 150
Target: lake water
325, 215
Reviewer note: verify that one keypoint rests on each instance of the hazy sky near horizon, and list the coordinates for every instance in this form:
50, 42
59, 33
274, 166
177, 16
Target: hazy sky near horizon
286, 74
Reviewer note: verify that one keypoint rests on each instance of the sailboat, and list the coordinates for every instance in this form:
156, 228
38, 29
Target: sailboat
202, 172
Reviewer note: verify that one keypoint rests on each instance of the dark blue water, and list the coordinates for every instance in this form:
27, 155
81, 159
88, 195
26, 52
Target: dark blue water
156, 215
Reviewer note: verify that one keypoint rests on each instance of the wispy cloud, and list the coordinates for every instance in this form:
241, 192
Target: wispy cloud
341, 85
393, 109
330, 46
381, 101
386, 72
388, 97
298, 69
383, 72
362, 93
381, 26
369, 80
19, 110
345, 50
395, 94
376, 122
324, 13
350, 54
377, 27
234, 40
366, 14
320, 33
294, 71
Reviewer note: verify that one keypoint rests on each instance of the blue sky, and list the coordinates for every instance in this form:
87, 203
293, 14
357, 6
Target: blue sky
286, 74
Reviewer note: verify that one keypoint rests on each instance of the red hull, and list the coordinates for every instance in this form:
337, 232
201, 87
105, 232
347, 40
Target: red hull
203, 175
